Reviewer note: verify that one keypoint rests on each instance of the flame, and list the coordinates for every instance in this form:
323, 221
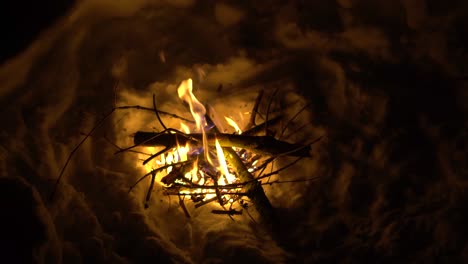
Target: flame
197, 109
181, 153
233, 124
222, 162
184, 128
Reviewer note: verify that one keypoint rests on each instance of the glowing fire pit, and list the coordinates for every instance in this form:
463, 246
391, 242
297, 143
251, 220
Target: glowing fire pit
205, 165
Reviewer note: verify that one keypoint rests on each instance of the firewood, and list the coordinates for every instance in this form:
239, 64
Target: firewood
264, 145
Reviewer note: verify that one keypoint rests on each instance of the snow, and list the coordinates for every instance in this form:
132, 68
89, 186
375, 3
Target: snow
385, 83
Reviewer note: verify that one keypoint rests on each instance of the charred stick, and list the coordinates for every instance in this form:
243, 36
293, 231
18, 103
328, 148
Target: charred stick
156, 171
184, 208
218, 193
156, 135
227, 212
206, 202
150, 189
265, 145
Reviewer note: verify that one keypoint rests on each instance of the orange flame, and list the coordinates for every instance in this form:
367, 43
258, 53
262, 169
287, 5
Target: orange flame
197, 109
184, 128
222, 162
233, 124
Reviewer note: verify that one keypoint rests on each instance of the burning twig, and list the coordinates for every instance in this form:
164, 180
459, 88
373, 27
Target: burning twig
253, 189
156, 171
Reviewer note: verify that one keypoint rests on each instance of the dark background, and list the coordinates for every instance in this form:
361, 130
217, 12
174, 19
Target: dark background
396, 186
26, 20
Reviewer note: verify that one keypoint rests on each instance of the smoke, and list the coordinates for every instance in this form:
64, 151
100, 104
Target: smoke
383, 83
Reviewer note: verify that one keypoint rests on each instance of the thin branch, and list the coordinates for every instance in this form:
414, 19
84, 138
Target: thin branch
280, 169
268, 110
205, 202
182, 205
271, 169
157, 113
292, 181
155, 155
256, 129
156, 171
301, 128
150, 188
218, 193
264, 164
120, 149
76, 148
251, 218
152, 110
253, 115
292, 119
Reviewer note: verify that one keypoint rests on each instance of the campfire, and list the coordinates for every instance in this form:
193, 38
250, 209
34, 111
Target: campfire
202, 164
